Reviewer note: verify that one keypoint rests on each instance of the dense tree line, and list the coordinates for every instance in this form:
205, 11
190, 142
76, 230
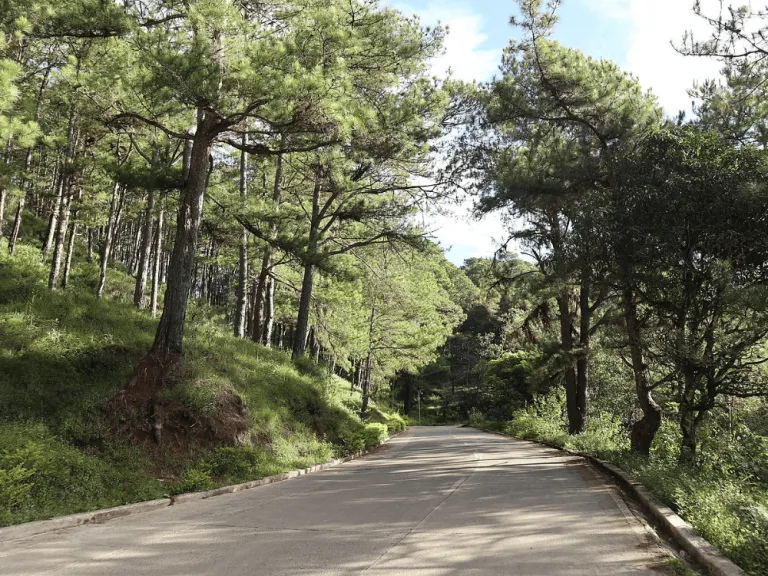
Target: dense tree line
261, 157
647, 238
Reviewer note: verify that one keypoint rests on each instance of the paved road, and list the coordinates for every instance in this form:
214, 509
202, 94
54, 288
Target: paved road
435, 502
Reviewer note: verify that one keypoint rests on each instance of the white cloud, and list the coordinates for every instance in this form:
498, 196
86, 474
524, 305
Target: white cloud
653, 26
464, 54
465, 237
460, 235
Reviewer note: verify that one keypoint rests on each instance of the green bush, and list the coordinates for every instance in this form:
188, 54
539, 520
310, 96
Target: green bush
374, 434
395, 423
15, 487
476, 418
195, 480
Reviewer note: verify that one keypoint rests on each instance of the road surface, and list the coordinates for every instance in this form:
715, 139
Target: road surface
434, 502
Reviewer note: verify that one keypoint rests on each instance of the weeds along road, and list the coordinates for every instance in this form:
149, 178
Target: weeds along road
436, 501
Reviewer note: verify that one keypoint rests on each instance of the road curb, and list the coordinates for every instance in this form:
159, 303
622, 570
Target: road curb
19, 531
681, 533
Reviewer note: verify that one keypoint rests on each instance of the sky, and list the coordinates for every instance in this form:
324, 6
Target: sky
636, 34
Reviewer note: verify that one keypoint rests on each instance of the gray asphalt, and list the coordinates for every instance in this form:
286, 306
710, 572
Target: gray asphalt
434, 502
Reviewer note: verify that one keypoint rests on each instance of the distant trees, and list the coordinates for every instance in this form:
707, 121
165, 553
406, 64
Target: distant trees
638, 227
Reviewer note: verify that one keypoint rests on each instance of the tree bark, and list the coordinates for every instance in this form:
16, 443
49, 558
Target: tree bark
170, 331
582, 362
302, 320
26, 185
58, 186
644, 430
366, 387
140, 292
241, 304
106, 248
70, 252
566, 345
156, 268
58, 247
269, 312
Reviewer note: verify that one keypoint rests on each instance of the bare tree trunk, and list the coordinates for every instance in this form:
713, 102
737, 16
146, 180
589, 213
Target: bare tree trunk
70, 251
241, 304
269, 311
566, 345
156, 268
582, 362
26, 184
366, 384
302, 320
58, 247
3, 196
170, 331
140, 292
53, 220
106, 248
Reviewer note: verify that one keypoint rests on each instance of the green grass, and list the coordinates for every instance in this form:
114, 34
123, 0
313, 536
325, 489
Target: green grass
62, 356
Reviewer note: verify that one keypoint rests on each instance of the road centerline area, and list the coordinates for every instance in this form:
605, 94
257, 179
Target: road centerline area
438, 501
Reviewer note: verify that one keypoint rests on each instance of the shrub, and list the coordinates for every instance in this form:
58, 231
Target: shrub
476, 418
374, 434
195, 480
395, 423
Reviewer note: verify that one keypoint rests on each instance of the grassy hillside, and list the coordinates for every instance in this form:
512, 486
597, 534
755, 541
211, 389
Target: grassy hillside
63, 355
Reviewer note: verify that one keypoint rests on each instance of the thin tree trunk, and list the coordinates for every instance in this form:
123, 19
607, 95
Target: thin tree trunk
566, 345
53, 220
582, 362
269, 311
106, 248
26, 184
70, 252
241, 304
644, 430
156, 268
302, 320
3, 196
366, 387
140, 291
58, 247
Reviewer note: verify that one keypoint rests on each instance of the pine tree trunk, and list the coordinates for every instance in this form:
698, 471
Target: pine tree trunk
70, 252
157, 266
26, 185
241, 304
582, 362
566, 346
269, 312
3, 196
644, 430
140, 291
170, 331
302, 320
106, 248
366, 385
53, 221
58, 247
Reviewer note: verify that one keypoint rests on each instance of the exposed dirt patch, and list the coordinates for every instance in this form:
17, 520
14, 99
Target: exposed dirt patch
139, 412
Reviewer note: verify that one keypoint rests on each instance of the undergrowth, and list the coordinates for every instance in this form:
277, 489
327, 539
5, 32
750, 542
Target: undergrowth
63, 354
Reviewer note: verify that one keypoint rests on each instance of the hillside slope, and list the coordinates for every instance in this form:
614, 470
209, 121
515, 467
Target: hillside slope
64, 354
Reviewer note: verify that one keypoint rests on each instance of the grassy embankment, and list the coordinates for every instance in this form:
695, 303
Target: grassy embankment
64, 354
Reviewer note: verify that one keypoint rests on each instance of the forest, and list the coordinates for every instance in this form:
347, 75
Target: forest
216, 261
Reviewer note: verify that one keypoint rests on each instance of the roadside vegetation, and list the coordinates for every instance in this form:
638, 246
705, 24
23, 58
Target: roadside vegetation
63, 356
214, 264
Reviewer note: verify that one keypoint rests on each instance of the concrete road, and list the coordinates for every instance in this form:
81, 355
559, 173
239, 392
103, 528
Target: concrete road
434, 502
